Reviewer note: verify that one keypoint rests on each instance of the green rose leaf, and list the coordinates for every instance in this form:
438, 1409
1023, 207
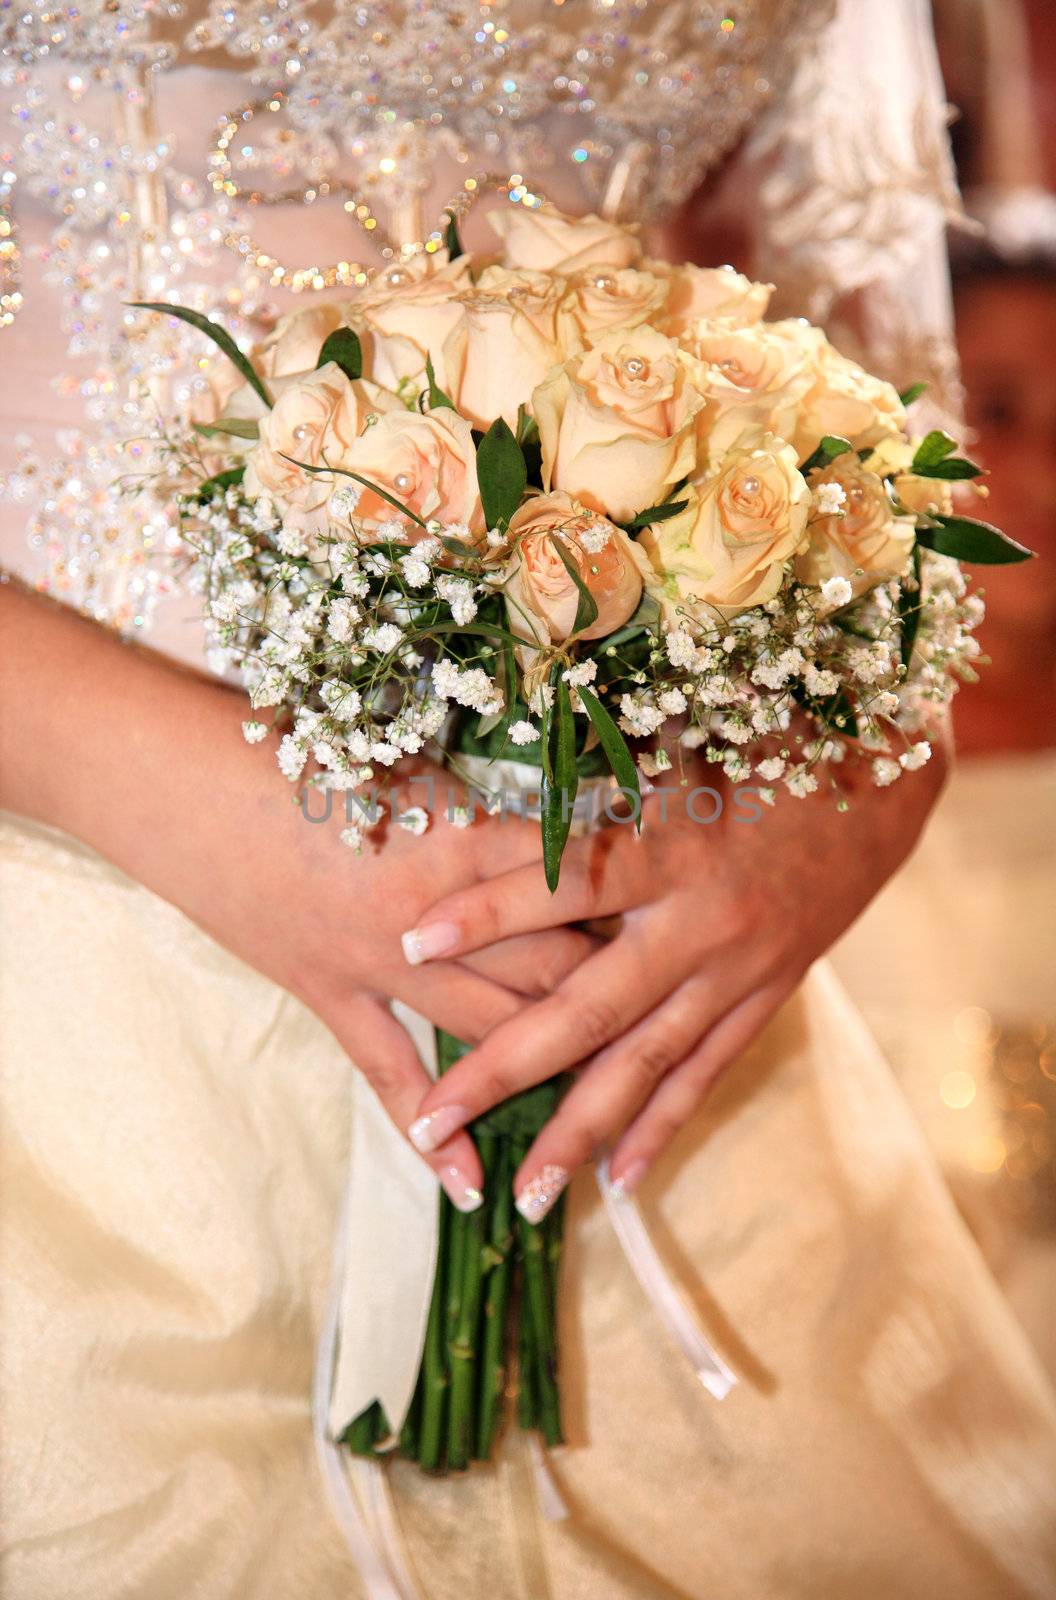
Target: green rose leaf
560, 785
219, 483
645, 519
953, 469
212, 330
237, 427
829, 447
968, 540
910, 602
932, 449
438, 400
587, 608
451, 238
615, 747
501, 474
914, 392
343, 347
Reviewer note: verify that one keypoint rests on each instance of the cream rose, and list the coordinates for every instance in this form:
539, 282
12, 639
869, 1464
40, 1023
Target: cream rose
297, 338
844, 400
710, 292
537, 295
924, 496
428, 463
618, 423
543, 239
494, 358
315, 419
864, 543
541, 596
727, 550
749, 377
405, 316
601, 298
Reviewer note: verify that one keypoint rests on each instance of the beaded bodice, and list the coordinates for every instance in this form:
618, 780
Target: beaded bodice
225, 153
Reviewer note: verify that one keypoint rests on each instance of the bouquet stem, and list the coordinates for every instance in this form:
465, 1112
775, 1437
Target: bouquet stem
495, 1282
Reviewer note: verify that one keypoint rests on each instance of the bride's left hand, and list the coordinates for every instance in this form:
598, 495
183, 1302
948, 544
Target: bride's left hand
718, 925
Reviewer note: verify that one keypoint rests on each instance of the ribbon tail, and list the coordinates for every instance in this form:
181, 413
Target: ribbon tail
666, 1299
377, 1581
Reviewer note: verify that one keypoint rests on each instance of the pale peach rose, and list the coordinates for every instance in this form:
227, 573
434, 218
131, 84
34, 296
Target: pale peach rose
601, 298
406, 314
315, 419
541, 596
428, 463
844, 400
750, 377
864, 543
710, 292
924, 496
536, 294
543, 239
297, 338
727, 550
618, 423
494, 358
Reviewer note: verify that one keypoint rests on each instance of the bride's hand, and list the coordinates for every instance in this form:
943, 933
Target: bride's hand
719, 923
147, 764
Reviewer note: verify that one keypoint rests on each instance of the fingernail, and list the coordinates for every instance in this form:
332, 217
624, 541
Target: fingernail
628, 1181
435, 939
430, 1132
463, 1195
537, 1196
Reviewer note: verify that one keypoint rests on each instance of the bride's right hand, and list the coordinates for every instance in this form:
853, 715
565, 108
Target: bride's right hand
146, 763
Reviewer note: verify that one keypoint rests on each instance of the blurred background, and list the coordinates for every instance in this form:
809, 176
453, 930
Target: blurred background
955, 963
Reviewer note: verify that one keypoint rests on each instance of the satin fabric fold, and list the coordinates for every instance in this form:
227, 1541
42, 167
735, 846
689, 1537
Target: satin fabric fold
174, 1138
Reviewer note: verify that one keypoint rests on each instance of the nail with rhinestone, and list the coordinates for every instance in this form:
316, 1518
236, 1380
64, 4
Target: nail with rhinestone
539, 1195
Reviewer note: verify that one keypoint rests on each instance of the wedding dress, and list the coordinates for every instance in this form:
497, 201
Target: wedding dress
175, 1128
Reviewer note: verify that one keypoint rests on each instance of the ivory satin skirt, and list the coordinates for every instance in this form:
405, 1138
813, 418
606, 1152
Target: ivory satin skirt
174, 1133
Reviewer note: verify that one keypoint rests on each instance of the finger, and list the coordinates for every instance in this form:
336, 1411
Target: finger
534, 963
677, 1098
611, 1091
601, 1000
600, 876
384, 1052
461, 1002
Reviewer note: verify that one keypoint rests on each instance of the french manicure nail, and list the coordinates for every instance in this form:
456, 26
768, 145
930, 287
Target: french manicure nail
431, 1131
539, 1195
424, 944
463, 1195
628, 1181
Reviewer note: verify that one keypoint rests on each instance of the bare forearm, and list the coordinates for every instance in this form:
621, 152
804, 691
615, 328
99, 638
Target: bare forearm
106, 740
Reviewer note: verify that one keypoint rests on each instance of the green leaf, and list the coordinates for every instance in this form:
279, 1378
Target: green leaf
438, 400
501, 474
527, 430
645, 519
953, 469
559, 791
451, 238
615, 747
968, 540
219, 483
914, 392
828, 449
343, 347
587, 608
375, 488
212, 330
932, 449
237, 427
910, 604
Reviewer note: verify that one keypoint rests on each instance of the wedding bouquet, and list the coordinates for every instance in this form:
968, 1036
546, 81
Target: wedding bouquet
552, 506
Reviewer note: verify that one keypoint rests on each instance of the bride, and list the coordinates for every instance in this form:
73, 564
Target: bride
188, 969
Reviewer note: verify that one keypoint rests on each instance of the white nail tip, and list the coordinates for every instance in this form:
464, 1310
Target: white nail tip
412, 948
430, 1132
539, 1195
462, 1195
